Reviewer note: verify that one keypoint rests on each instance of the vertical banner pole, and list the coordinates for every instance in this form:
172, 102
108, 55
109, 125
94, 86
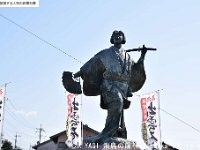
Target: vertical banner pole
150, 104
2, 110
81, 109
81, 119
2, 102
158, 93
73, 124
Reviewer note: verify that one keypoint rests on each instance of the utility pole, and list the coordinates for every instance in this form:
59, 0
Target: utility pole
16, 136
40, 130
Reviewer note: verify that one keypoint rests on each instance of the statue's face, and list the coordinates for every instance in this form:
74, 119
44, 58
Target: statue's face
118, 37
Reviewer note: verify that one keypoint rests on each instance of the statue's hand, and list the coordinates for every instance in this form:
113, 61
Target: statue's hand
144, 50
77, 74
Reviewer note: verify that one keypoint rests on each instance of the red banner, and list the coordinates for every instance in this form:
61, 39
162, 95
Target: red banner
73, 124
151, 120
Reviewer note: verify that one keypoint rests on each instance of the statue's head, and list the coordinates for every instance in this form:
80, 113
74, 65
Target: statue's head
118, 37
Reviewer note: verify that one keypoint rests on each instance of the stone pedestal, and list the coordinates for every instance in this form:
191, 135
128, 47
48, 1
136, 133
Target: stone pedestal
105, 148
111, 144
110, 148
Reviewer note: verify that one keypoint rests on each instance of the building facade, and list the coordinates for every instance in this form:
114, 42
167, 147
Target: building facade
57, 141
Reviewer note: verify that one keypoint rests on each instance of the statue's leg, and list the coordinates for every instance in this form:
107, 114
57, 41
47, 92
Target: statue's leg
115, 106
121, 131
113, 118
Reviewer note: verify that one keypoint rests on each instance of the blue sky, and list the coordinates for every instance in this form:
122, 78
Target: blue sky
81, 29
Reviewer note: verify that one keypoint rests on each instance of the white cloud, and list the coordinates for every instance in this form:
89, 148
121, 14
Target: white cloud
26, 114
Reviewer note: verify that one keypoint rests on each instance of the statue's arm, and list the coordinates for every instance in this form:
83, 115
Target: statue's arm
138, 75
85, 68
93, 66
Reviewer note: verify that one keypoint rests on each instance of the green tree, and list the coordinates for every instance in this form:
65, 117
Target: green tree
7, 145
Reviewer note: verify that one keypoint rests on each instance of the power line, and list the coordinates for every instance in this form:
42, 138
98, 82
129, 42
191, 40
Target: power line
40, 38
27, 138
28, 135
21, 116
182, 121
15, 118
8, 134
55, 47
21, 133
9, 126
22, 120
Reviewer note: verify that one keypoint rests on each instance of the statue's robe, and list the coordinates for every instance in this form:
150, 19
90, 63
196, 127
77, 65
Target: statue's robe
112, 68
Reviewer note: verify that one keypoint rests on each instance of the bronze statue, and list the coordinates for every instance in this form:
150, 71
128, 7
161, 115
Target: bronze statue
114, 76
